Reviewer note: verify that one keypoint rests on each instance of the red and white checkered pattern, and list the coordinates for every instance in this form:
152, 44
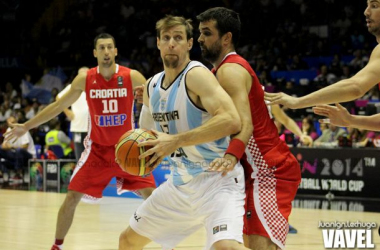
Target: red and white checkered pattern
264, 177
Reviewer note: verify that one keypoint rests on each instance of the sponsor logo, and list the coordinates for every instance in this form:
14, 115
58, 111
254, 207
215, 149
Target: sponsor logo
110, 120
215, 230
120, 81
223, 227
137, 218
249, 214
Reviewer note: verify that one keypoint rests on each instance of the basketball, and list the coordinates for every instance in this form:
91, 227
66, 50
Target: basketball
127, 151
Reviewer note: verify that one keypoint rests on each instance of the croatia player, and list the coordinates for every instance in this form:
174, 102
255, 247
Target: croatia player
272, 172
109, 93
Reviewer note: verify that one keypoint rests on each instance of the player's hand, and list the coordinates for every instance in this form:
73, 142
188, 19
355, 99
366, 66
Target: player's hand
223, 165
163, 146
337, 115
17, 131
139, 92
281, 98
306, 140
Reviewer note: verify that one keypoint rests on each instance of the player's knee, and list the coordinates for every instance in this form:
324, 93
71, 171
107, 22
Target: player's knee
72, 199
258, 242
146, 192
228, 245
126, 241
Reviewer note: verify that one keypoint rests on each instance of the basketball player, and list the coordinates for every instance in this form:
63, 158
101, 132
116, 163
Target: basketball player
187, 103
109, 91
272, 172
347, 89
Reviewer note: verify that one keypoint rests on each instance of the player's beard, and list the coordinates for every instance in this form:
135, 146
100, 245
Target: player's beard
212, 54
374, 30
171, 63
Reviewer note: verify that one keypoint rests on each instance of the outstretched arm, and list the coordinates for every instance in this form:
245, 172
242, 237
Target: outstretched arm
342, 91
51, 110
339, 116
290, 124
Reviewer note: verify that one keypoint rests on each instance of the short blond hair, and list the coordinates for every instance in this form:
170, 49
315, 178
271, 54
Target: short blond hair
170, 21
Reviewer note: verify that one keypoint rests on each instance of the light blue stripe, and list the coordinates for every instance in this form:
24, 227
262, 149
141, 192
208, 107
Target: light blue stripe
155, 99
177, 178
194, 116
170, 105
194, 168
207, 154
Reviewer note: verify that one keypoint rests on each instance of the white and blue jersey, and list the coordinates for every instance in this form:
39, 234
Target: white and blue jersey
174, 112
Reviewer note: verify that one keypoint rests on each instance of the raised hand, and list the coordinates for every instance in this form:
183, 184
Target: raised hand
17, 131
337, 115
163, 146
281, 98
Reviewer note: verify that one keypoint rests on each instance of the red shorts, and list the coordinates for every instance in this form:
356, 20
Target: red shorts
97, 167
270, 191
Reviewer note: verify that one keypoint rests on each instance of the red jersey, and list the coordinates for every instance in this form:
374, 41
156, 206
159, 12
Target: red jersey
110, 104
265, 134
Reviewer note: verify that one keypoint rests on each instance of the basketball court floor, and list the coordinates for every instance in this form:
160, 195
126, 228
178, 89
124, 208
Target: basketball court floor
27, 222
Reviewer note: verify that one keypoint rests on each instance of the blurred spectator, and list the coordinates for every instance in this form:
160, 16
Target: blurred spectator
9, 91
360, 137
15, 154
54, 93
324, 77
346, 73
329, 137
308, 127
359, 60
298, 64
5, 111
33, 109
57, 137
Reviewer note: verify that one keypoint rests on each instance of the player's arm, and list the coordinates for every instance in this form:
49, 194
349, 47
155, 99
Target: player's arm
285, 120
51, 110
236, 81
342, 91
214, 99
290, 124
339, 116
204, 87
138, 81
146, 120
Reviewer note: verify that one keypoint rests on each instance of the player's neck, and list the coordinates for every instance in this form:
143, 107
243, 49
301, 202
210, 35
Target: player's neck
221, 57
107, 72
172, 73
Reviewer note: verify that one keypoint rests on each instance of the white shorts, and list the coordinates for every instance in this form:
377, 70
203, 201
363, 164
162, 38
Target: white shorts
172, 213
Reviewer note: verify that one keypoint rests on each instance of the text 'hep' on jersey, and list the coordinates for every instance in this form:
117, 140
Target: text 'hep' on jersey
174, 112
110, 104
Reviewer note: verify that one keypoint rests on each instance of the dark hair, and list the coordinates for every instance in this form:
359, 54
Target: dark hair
54, 123
103, 36
310, 121
226, 21
170, 21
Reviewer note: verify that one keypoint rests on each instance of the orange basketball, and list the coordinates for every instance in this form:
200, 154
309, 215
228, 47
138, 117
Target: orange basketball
127, 152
